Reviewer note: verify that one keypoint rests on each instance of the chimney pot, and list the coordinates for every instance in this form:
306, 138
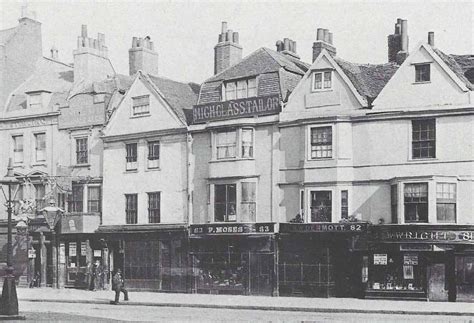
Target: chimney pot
294, 46
152, 46
326, 35
134, 42
279, 45
235, 37
228, 36
320, 34
330, 38
224, 27
404, 35
431, 38
84, 31
286, 44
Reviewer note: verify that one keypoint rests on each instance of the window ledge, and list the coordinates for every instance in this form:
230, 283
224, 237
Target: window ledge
140, 116
229, 160
130, 171
322, 90
39, 164
321, 159
414, 160
81, 165
422, 82
19, 165
153, 169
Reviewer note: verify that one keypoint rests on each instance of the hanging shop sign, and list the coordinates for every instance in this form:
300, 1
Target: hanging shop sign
62, 253
232, 228
256, 106
72, 249
31, 253
322, 227
423, 234
380, 258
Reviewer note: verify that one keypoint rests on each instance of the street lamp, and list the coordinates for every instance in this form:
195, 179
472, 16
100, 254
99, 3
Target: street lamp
9, 299
52, 214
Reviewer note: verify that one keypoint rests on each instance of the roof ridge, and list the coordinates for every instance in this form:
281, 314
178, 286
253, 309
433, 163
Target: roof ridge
56, 61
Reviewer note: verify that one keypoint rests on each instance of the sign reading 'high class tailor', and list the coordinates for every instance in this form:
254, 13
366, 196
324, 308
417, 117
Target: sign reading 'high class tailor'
261, 105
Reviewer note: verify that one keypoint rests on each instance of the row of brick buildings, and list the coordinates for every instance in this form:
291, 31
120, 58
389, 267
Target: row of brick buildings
272, 177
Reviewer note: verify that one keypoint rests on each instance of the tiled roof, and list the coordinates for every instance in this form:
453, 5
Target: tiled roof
180, 96
460, 64
261, 61
117, 82
50, 76
6, 34
368, 79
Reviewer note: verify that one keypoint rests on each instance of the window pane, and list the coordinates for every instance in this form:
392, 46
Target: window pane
131, 156
241, 89
226, 142
131, 208
344, 205
230, 91
154, 207
422, 73
93, 199
17, 149
318, 79
153, 154
327, 80
321, 142
424, 138
40, 143
416, 202
251, 87
321, 206
224, 202
394, 202
247, 143
81, 151
141, 105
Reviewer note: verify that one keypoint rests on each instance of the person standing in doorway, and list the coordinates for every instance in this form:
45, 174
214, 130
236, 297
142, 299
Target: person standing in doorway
118, 285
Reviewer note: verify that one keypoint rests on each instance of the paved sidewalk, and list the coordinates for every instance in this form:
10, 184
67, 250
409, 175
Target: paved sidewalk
339, 305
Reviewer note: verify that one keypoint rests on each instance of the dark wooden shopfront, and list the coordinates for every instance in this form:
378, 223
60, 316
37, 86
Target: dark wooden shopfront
233, 258
321, 259
422, 262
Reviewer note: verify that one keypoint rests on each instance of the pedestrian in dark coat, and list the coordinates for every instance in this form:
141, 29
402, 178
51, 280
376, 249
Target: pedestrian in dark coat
118, 285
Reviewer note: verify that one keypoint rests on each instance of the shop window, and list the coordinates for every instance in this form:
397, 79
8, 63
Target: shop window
394, 202
40, 147
141, 105
93, 199
465, 270
321, 142
446, 202
424, 138
226, 143
416, 202
422, 73
344, 204
153, 154
75, 203
322, 80
81, 151
40, 192
321, 206
131, 208
17, 149
225, 203
240, 89
248, 202
154, 207
131, 156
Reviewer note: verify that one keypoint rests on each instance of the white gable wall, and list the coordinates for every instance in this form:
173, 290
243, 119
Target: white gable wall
401, 92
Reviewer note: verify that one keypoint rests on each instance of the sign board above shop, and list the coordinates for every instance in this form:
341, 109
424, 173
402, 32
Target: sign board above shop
423, 234
240, 108
323, 227
232, 228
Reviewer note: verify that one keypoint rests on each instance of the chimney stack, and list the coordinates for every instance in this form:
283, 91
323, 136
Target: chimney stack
324, 40
91, 60
431, 38
398, 42
227, 52
142, 56
287, 47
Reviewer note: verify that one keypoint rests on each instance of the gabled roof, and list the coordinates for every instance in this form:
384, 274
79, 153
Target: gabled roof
461, 65
368, 79
180, 96
51, 76
261, 61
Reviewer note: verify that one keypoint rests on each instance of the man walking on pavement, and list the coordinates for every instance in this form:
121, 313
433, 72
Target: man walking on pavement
118, 285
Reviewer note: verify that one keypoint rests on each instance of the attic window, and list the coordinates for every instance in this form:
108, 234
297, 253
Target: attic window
141, 105
240, 89
322, 80
422, 73
35, 100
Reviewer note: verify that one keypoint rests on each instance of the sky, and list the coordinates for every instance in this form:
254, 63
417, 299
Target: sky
185, 32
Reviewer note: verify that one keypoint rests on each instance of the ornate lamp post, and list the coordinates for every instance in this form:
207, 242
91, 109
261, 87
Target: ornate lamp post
9, 300
52, 214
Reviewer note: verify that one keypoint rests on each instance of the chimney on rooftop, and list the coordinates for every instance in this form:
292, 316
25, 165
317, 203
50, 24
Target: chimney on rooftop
431, 38
287, 47
91, 61
324, 40
227, 52
398, 42
142, 56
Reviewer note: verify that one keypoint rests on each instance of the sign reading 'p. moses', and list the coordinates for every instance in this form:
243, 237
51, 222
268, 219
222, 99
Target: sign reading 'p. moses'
257, 106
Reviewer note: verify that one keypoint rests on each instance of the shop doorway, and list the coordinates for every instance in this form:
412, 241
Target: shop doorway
437, 290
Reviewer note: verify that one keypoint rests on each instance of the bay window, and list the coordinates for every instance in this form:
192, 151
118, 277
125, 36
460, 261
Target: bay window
227, 143
321, 142
321, 206
416, 202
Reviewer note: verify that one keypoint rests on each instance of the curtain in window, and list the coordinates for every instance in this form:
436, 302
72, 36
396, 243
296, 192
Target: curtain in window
248, 203
321, 206
226, 142
247, 143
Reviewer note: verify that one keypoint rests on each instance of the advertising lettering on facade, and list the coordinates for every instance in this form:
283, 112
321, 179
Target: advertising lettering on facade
420, 235
380, 259
322, 227
257, 106
28, 123
232, 228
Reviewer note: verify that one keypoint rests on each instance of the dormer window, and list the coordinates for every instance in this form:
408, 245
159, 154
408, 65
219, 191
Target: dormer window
35, 100
141, 106
422, 73
322, 80
240, 89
